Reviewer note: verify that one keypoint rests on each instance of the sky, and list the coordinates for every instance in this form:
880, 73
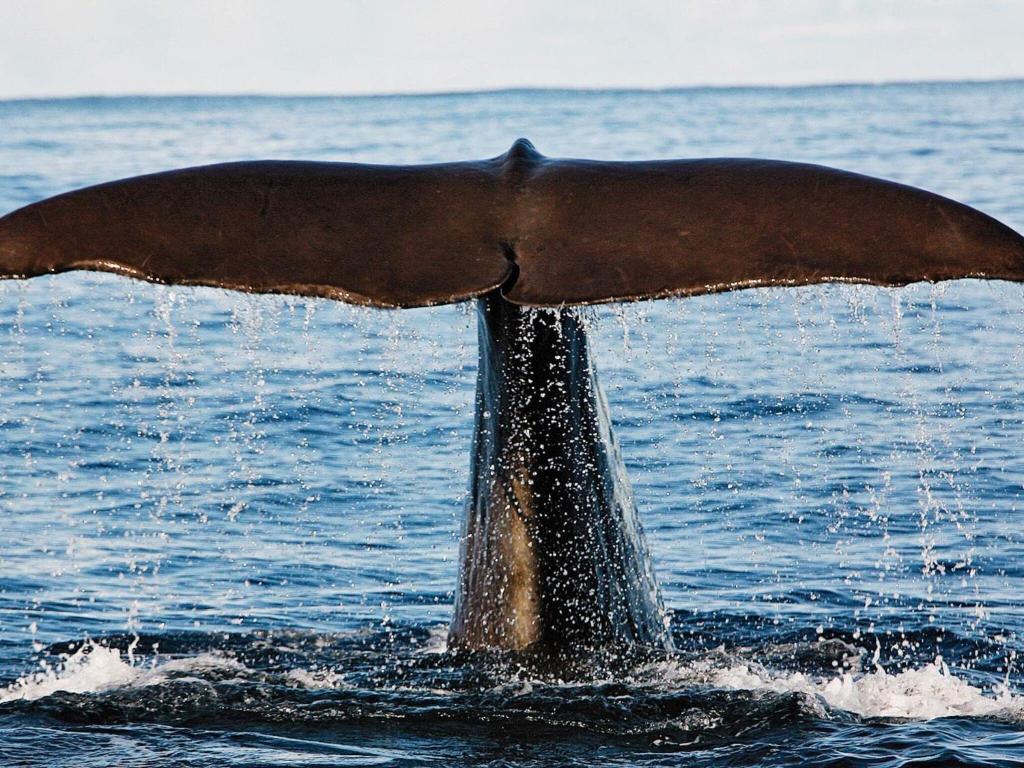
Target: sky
111, 47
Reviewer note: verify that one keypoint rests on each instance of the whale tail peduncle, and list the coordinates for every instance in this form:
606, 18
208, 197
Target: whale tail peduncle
553, 557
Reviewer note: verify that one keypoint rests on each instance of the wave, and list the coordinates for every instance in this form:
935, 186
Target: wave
408, 677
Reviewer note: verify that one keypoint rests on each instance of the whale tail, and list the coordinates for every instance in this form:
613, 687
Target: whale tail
547, 231
553, 556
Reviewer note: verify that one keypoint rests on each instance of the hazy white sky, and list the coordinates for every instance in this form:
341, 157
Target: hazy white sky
73, 47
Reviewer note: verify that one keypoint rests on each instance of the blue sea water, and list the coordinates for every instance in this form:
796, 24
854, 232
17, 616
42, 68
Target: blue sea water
228, 523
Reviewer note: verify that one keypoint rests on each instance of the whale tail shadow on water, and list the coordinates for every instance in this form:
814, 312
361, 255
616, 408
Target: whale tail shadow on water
553, 557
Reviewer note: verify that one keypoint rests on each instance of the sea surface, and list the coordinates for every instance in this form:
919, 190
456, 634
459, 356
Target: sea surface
229, 524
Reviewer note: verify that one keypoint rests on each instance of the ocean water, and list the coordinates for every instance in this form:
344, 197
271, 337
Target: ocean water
228, 524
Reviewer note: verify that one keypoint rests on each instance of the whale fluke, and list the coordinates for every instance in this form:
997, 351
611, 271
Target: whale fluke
578, 231
379, 235
594, 232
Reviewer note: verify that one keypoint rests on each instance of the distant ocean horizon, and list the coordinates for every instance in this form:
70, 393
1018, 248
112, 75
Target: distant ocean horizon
522, 89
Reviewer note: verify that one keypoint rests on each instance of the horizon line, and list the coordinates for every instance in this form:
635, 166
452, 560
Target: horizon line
513, 89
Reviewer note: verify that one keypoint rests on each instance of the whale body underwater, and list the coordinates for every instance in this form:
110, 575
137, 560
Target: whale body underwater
553, 557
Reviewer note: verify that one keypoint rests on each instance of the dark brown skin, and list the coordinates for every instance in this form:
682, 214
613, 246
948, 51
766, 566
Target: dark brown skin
378, 235
580, 231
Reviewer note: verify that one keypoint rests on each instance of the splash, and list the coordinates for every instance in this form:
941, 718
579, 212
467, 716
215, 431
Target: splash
91, 669
924, 693
95, 668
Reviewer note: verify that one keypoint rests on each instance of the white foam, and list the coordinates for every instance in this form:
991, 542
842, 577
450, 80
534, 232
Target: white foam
437, 640
91, 668
94, 668
928, 692
316, 679
919, 694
